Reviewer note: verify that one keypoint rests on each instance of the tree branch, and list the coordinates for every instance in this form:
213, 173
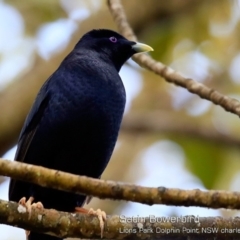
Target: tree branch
229, 104
116, 190
64, 225
161, 122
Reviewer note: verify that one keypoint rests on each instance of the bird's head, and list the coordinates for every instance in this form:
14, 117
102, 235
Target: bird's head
111, 46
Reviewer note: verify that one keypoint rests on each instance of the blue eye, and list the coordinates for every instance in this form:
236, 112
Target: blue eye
113, 39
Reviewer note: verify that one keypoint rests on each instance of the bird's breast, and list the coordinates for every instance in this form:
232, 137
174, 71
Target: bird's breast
80, 127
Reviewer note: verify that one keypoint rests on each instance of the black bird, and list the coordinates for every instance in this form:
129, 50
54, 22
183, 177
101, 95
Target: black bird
74, 122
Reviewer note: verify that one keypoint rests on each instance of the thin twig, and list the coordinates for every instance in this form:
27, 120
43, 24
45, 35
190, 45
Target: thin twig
229, 104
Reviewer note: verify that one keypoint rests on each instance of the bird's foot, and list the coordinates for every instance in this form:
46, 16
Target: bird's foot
29, 205
102, 216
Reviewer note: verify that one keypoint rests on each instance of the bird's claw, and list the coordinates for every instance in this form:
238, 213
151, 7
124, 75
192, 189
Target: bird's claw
29, 205
102, 216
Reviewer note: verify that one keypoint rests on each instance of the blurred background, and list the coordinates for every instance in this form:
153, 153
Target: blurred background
169, 137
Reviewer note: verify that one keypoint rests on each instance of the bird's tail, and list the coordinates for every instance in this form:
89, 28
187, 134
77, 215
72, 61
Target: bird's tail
39, 236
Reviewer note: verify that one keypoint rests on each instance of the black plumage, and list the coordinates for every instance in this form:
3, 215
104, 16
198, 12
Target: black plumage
74, 122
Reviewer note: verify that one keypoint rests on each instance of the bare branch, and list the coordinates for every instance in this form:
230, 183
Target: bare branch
64, 224
116, 190
165, 122
50, 221
229, 104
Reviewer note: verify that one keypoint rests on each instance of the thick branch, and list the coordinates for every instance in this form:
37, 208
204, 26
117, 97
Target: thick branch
118, 227
50, 221
229, 104
115, 190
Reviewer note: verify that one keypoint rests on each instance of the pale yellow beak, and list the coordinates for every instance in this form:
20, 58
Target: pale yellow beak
140, 47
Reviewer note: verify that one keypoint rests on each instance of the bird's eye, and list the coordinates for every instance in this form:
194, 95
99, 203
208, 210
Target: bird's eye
113, 39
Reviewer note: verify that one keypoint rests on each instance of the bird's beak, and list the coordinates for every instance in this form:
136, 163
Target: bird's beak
140, 47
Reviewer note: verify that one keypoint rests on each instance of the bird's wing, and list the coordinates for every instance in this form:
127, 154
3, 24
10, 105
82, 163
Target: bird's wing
30, 126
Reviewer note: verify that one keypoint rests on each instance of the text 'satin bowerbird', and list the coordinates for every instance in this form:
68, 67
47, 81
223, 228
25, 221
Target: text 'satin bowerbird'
74, 122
